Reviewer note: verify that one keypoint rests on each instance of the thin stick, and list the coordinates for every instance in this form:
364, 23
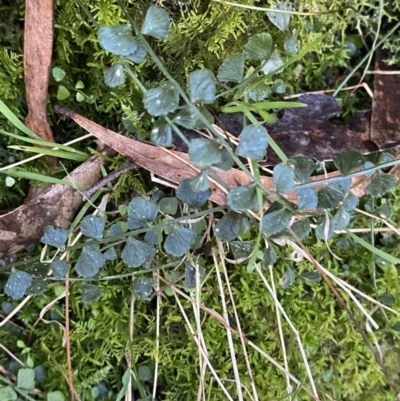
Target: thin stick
228, 333
108, 178
289, 386
321, 92
275, 10
67, 334
342, 302
220, 319
214, 373
295, 331
199, 332
128, 354
384, 221
11, 354
240, 332
14, 311
157, 345
379, 72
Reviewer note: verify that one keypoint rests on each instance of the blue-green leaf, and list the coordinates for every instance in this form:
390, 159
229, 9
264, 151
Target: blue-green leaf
40, 374
253, 142
26, 379
280, 20
259, 47
55, 396
144, 373
110, 254
149, 258
91, 293
341, 219
38, 270
162, 100
302, 166
307, 198
290, 45
243, 198
311, 277
114, 76
138, 55
344, 184
134, 224
200, 182
187, 117
201, 86
7, 307
385, 157
157, 195
156, 23
276, 221
367, 165
161, 134
330, 196
326, 229
118, 39
55, 237
204, 152
37, 287
115, 230
232, 68
269, 258
301, 228
347, 161
226, 162
384, 211
287, 279
7, 393
241, 249
151, 237
387, 299
129, 125
179, 240
142, 209
207, 115
278, 87
190, 274
17, 283
59, 268
273, 63
231, 226
93, 226
143, 287
381, 184
90, 261
135, 252
170, 205
194, 199
283, 179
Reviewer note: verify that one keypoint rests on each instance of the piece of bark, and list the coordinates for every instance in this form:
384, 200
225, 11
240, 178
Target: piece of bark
385, 122
38, 49
55, 207
172, 165
309, 131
